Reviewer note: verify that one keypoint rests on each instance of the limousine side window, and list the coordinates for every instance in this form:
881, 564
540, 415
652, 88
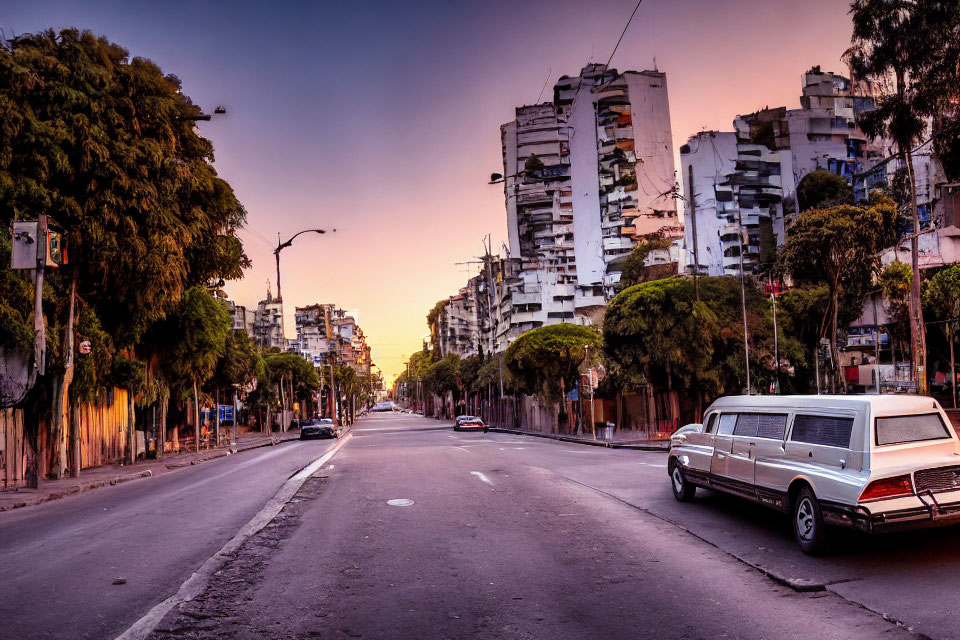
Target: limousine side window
711, 423
761, 425
727, 422
825, 430
900, 429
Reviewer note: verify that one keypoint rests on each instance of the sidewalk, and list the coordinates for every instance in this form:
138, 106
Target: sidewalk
109, 475
640, 445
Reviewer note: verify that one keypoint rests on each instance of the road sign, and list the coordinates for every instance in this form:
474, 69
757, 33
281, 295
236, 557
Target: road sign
226, 413
85, 347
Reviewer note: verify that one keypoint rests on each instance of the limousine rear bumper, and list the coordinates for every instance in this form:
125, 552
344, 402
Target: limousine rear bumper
931, 514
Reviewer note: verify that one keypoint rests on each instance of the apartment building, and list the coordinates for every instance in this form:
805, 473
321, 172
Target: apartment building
326, 334
586, 176
740, 187
268, 323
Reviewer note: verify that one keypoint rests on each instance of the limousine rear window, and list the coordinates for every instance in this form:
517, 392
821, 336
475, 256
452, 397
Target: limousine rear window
825, 430
916, 428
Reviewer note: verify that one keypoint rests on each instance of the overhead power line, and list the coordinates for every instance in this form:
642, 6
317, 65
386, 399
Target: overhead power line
625, 27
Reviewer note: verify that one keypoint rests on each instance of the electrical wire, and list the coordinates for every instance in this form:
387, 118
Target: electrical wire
625, 27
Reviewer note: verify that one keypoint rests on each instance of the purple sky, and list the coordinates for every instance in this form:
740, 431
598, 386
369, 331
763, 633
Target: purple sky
382, 118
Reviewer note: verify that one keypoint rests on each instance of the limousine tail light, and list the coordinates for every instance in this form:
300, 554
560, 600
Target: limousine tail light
887, 488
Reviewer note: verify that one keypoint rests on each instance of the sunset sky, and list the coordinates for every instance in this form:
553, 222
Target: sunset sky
382, 118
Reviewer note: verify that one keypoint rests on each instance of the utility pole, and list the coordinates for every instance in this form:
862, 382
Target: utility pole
743, 303
776, 345
693, 230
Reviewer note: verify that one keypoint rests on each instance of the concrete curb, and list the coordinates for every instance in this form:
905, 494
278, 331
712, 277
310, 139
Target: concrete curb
146, 473
591, 443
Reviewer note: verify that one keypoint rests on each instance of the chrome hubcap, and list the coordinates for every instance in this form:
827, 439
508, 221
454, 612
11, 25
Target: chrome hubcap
677, 479
805, 519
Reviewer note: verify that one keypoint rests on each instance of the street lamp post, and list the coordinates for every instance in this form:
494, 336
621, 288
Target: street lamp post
283, 245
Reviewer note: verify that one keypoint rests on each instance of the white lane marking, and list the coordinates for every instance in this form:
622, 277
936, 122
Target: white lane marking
195, 584
481, 476
400, 502
650, 464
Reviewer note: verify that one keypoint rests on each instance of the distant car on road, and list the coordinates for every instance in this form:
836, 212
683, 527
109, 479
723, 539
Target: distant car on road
873, 463
469, 423
384, 406
317, 428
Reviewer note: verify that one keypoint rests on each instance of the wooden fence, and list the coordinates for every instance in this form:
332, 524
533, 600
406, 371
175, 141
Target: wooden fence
103, 438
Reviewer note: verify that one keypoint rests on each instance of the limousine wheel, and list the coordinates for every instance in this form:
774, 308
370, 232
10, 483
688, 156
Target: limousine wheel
682, 490
808, 523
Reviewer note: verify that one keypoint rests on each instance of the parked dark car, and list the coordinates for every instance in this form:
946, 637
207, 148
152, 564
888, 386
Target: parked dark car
469, 423
317, 428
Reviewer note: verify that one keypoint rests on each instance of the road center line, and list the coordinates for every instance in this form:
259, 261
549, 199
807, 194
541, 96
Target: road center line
481, 476
195, 584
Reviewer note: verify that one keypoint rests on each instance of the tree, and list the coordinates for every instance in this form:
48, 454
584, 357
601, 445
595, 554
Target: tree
836, 247
239, 367
635, 271
895, 283
289, 370
106, 146
241, 364
546, 361
912, 43
822, 189
194, 336
443, 376
943, 293
348, 382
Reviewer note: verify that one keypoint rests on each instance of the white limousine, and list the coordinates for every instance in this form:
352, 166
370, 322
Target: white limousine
870, 462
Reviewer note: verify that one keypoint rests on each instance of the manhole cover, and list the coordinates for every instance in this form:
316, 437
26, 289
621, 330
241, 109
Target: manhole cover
400, 502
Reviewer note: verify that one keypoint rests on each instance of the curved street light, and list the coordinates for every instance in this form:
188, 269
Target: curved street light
283, 245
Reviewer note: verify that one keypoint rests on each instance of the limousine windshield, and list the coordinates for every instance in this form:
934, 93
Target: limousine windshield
915, 428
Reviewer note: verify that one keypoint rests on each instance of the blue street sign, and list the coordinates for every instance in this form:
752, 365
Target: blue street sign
226, 413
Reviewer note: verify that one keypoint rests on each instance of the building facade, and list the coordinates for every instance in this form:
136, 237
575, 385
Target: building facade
268, 324
586, 176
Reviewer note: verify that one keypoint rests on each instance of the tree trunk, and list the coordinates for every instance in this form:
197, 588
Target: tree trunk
196, 416
216, 413
75, 440
162, 430
834, 352
131, 429
918, 334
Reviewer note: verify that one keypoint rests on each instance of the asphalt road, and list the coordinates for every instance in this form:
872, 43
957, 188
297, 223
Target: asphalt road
59, 560
511, 537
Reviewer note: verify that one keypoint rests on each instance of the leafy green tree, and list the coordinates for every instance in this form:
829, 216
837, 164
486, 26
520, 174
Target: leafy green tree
822, 189
908, 48
942, 293
291, 368
241, 364
895, 283
546, 361
836, 247
634, 270
444, 376
659, 333
193, 338
107, 147
349, 385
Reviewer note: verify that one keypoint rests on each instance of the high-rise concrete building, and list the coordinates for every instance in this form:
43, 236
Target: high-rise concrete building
268, 323
326, 334
740, 186
586, 176
738, 191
